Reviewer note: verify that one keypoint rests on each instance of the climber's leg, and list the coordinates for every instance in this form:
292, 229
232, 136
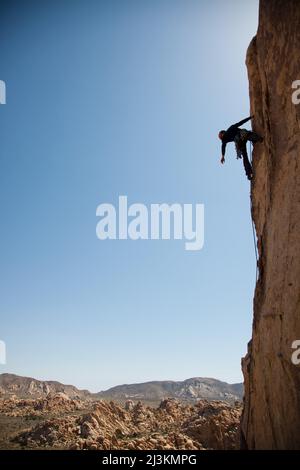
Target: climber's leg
254, 137
247, 164
238, 145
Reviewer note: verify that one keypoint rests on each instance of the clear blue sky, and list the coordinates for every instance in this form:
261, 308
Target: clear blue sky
123, 97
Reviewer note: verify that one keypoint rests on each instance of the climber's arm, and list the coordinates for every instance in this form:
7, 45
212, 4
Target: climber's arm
238, 124
223, 152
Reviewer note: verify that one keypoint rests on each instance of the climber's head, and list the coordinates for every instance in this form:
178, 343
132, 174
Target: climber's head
221, 135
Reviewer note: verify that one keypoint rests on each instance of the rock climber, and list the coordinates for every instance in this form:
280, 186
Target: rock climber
240, 137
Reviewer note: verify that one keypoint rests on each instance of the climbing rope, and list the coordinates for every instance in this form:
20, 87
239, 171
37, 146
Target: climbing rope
253, 227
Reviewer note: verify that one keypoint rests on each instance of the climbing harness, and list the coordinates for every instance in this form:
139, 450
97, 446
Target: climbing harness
239, 139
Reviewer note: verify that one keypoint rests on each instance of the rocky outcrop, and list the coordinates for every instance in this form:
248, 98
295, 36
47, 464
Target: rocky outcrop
190, 390
173, 425
11, 384
51, 405
271, 417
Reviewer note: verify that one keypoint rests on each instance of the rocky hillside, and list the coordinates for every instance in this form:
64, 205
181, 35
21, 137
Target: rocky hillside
272, 382
187, 390
59, 422
11, 384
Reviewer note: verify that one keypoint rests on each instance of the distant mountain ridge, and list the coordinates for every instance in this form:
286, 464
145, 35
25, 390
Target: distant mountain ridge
189, 390
11, 384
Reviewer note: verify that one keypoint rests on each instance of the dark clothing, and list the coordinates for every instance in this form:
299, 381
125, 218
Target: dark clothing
231, 133
247, 164
243, 136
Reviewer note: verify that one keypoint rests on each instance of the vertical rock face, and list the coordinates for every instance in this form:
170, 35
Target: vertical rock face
271, 417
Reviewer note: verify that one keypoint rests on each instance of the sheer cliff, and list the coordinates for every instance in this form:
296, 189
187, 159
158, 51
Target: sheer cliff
271, 417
